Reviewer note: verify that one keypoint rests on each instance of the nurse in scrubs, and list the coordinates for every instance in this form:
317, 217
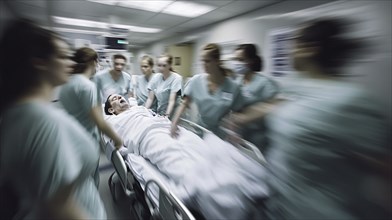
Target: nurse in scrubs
165, 87
214, 93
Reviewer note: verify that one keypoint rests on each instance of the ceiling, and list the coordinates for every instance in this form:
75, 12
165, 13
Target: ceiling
171, 25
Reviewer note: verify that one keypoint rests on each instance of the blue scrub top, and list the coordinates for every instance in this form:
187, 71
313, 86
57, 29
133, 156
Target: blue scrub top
212, 107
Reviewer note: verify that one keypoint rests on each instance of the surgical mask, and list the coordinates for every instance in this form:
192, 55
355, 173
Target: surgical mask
240, 68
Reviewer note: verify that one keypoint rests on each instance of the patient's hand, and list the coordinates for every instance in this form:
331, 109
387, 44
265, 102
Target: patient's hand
174, 130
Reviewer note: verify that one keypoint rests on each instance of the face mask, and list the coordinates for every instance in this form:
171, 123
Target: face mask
240, 68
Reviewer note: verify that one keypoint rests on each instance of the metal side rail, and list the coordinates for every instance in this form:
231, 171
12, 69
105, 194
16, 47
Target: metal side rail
195, 128
246, 147
170, 207
122, 172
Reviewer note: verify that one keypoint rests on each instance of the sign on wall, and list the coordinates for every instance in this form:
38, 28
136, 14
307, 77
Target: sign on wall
280, 48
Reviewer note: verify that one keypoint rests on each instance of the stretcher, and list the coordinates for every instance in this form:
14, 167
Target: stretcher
153, 199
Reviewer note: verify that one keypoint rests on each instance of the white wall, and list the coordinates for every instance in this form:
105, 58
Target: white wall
373, 19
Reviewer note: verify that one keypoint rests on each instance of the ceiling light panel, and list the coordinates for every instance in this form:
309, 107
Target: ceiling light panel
80, 22
154, 6
187, 9
179, 8
102, 25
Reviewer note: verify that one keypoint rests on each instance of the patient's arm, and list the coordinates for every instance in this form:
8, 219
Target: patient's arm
184, 104
96, 114
150, 99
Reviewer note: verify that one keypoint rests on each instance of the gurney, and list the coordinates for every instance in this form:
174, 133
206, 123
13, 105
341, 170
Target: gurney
153, 199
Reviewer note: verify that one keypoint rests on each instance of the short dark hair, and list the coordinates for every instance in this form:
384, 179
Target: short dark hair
119, 56
107, 106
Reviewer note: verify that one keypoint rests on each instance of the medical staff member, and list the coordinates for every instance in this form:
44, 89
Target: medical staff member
329, 156
141, 91
79, 98
255, 88
114, 80
165, 87
46, 157
214, 93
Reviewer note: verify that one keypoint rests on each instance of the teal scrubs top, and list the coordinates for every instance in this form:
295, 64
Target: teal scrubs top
259, 89
314, 170
78, 97
163, 88
42, 149
107, 86
141, 91
212, 107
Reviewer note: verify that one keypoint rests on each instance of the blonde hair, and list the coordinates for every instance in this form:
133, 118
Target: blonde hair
169, 60
149, 60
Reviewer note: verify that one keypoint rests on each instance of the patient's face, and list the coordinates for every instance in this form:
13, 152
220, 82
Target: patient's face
118, 103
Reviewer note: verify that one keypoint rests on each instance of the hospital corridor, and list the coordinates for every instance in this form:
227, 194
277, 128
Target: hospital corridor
195, 109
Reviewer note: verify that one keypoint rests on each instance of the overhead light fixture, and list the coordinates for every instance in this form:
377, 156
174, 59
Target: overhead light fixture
179, 8
79, 22
154, 6
187, 9
102, 25
78, 31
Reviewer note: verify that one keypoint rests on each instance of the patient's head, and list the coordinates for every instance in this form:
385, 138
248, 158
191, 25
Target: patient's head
115, 104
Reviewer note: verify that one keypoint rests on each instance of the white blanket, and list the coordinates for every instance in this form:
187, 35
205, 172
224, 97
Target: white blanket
208, 174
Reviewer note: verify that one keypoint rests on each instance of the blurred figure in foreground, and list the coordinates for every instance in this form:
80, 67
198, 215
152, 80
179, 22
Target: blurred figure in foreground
46, 157
329, 149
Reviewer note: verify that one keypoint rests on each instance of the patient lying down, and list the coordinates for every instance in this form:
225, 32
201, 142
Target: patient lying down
208, 174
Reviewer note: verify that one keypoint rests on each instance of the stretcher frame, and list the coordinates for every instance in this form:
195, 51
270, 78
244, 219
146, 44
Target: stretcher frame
170, 207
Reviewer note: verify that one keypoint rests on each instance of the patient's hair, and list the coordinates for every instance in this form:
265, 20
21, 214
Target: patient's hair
107, 106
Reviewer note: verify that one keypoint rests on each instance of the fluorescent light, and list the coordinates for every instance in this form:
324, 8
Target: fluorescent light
154, 6
179, 8
79, 22
102, 25
187, 9
78, 31
136, 28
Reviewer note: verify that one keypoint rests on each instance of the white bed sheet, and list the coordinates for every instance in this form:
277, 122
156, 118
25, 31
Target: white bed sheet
207, 174
224, 188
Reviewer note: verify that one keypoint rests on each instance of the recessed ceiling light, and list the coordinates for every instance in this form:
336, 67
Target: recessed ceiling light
102, 25
179, 8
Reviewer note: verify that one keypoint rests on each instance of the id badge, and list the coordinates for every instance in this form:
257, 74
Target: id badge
227, 96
